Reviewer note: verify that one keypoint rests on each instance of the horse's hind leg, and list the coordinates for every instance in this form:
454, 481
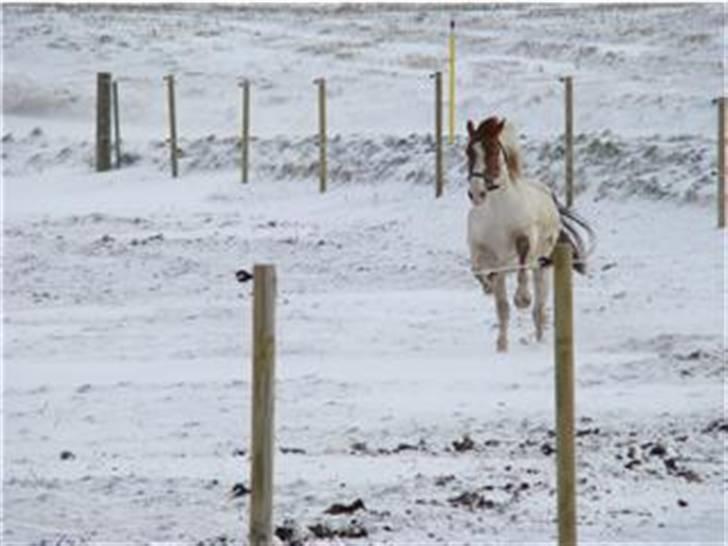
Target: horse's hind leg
522, 298
540, 288
501, 304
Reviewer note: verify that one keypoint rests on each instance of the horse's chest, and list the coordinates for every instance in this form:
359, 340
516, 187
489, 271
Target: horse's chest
497, 227
493, 232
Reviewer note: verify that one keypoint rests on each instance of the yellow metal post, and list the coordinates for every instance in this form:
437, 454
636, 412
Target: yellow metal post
451, 128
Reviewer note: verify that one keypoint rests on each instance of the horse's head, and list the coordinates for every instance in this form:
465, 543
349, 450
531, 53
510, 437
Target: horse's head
489, 165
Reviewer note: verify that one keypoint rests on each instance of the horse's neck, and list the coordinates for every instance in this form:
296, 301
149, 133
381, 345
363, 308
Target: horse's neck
508, 194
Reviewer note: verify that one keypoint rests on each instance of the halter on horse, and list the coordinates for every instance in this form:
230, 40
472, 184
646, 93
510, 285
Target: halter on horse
514, 223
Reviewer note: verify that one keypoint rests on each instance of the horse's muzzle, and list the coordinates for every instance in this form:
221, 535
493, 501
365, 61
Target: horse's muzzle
481, 195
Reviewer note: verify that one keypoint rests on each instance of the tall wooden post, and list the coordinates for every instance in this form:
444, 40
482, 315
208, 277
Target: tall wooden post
117, 129
262, 424
172, 124
451, 117
439, 182
569, 138
564, 366
322, 133
721, 162
244, 139
103, 121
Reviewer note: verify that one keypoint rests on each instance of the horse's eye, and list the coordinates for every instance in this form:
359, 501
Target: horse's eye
482, 194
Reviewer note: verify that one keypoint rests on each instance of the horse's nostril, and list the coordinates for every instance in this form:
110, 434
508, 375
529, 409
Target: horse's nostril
470, 195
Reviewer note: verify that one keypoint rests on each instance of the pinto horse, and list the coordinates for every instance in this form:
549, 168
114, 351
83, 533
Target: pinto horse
514, 224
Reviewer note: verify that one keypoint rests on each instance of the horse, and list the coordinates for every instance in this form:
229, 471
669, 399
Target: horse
514, 224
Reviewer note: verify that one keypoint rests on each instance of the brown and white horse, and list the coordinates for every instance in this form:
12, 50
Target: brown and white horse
514, 223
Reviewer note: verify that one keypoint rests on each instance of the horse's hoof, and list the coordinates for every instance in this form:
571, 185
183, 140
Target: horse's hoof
486, 284
522, 301
502, 345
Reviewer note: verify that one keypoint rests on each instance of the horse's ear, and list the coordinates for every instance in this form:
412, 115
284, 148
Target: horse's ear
471, 129
501, 125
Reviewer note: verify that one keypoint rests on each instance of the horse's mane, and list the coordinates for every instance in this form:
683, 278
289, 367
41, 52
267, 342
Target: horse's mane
509, 140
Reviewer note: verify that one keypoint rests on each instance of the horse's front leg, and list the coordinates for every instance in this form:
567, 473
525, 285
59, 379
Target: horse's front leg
522, 298
477, 262
503, 310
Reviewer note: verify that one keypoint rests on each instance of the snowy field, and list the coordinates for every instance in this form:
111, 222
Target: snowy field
126, 339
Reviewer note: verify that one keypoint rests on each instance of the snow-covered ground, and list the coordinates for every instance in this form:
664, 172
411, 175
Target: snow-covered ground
126, 342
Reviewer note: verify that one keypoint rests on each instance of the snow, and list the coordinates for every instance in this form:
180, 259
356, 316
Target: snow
126, 339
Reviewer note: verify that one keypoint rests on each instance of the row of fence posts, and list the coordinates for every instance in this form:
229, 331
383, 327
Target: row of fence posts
263, 396
263, 401
103, 134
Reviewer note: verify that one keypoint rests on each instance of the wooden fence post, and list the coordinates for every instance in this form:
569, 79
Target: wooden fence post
263, 402
172, 124
244, 140
117, 129
564, 376
721, 162
103, 121
322, 133
569, 138
439, 182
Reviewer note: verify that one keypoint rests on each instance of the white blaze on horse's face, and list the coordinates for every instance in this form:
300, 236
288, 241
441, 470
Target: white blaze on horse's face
477, 190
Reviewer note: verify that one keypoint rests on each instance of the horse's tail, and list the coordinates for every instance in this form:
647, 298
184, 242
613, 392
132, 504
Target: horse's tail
571, 224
